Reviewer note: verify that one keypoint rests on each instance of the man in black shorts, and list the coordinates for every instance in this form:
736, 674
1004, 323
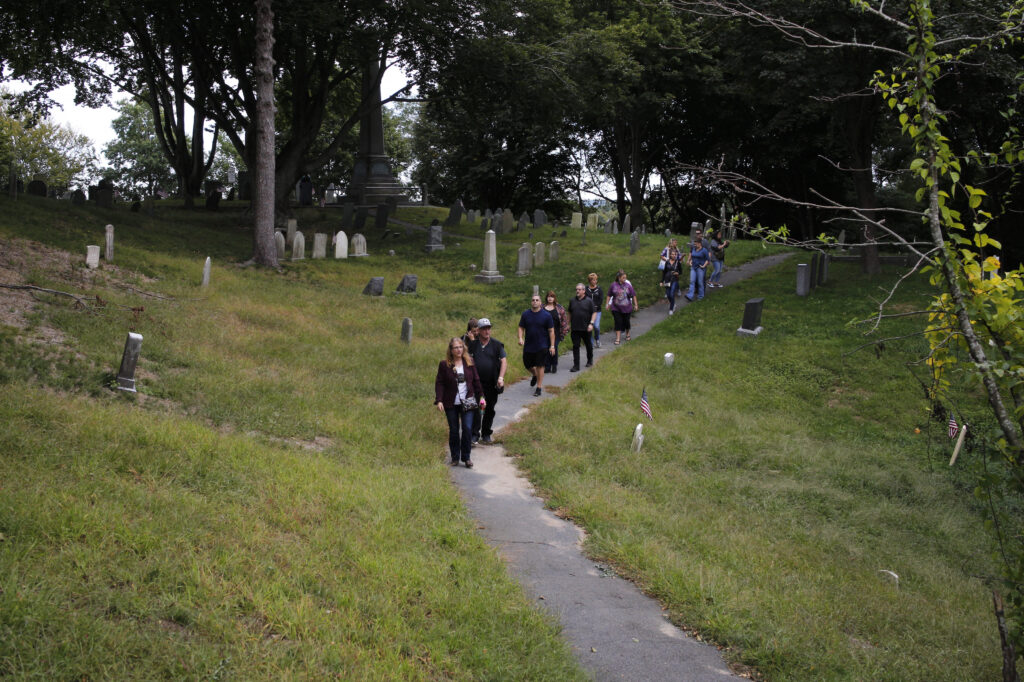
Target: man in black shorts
491, 362
537, 337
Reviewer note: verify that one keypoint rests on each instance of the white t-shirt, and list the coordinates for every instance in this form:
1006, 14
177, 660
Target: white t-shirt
460, 376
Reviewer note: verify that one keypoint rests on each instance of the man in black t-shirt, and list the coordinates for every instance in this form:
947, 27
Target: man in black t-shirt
581, 315
491, 361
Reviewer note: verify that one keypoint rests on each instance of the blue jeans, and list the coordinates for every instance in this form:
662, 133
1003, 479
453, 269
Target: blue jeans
717, 265
696, 281
597, 326
670, 292
459, 442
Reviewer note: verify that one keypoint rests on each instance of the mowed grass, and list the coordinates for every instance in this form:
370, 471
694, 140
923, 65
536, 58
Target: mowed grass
779, 479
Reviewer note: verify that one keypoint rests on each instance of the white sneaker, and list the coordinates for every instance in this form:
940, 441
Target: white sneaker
671, 312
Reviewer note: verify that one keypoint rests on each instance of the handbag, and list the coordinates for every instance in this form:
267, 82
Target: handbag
470, 404
661, 264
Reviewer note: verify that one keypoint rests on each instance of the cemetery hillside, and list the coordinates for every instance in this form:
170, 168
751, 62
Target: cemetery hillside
273, 501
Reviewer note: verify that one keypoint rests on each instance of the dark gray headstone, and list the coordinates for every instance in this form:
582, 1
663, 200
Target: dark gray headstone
375, 287
565, 233
633, 242
130, 357
752, 318
435, 240
244, 186
813, 278
37, 188
539, 219
78, 198
105, 197
360, 219
454, 214
213, 201
407, 330
381, 220
305, 191
347, 210
823, 269
803, 279
407, 285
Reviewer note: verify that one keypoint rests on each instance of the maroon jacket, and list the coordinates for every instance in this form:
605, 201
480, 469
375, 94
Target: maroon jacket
446, 385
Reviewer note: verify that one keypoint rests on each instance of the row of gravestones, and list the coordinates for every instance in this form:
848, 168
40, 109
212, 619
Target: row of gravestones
809, 276
534, 257
503, 222
340, 241
92, 255
354, 217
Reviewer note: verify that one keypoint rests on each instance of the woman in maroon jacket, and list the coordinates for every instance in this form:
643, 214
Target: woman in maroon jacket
457, 380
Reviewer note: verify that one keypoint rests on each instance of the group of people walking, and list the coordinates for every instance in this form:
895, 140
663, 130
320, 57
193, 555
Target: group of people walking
472, 374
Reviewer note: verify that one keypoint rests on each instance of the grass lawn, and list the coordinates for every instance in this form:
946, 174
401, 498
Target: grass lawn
273, 503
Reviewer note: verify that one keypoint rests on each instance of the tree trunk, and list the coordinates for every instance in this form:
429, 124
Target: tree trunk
264, 249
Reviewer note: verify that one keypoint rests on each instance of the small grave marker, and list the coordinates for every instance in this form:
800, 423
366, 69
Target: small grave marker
108, 254
751, 318
130, 357
375, 287
407, 330
92, 256
206, 273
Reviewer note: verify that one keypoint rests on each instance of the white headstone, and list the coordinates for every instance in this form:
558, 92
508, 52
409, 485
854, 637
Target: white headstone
538, 254
279, 243
293, 225
525, 260
638, 438
358, 246
670, 358
108, 254
92, 256
206, 272
553, 252
489, 274
577, 220
341, 245
592, 221
299, 247
319, 245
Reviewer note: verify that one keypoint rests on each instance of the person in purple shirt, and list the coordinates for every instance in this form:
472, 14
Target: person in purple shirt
622, 303
698, 262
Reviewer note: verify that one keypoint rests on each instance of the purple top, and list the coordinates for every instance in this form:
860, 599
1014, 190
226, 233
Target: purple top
622, 296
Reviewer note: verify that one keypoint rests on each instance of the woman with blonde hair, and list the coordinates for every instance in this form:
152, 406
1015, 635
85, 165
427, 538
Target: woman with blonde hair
457, 393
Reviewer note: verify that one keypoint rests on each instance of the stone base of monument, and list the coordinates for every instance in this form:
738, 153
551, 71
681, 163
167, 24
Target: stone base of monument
749, 332
486, 277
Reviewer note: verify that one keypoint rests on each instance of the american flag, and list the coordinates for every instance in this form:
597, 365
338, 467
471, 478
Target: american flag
953, 428
645, 407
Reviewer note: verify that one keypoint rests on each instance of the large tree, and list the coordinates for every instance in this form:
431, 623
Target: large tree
136, 155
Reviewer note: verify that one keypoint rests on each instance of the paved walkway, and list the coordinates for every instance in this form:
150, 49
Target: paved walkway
616, 632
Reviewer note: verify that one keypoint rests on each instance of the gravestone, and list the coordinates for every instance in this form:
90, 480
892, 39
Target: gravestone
577, 221
751, 318
506, 221
489, 272
435, 240
803, 279
407, 285
670, 359
341, 245
348, 209
471, 216
108, 253
488, 214
524, 219
391, 252
454, 214
136, 206
525, 260
627, 224
206, 273
406, 330
78, 198
592, 221
812, 279
331, 194
553, 252
129, 359
823, 270
244, 186
37, 188
360, 220
375, 287
565, 233
358, 246
638, 438
299, 246
615, 225
583, 241
381, 221
633, 241
539, 219
668, 232
485, 224
536, 290
841, 239
538, 254
279, 243
105, 197
293, 225
319, 245
213, 201
92, 256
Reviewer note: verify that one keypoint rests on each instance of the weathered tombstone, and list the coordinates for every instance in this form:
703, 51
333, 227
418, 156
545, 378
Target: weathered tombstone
319, 245
615, 225
293, 225
92, 256
670, 359
435, 240
489, 214
536, 290
524, 219
78, 198
633, 241
823, 270
812, 279
407, 285
565, 233
841, 239
108, 252
375, 287
539, 219
751, 318
406, 330
37, 188
391, 253
577, 220
347, 211
489, 273
213, 201
105, 197
538, 254
206, 273
627, 224
668, 232
553, 252
506, 221
803, 279
454, 214
341, 245
279, 243
358, 246
381, 221
331, 194
299, 246
360, 219
638, 438
554, 233
525, 260
129, 359
471, 216
592, 221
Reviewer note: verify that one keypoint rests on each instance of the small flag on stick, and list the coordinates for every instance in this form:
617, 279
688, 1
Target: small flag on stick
953, 428
645, 407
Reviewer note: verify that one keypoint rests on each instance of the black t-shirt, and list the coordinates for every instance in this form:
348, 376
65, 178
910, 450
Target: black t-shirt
580, 312
487, 360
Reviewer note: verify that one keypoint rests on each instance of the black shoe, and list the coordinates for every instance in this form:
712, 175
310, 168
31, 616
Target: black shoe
454, 463
537, 391
553, 370
469, 464
590, 363
533, 380
476, 439
574, 368
487, 440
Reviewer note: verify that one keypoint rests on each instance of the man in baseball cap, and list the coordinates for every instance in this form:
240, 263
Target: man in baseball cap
491, 361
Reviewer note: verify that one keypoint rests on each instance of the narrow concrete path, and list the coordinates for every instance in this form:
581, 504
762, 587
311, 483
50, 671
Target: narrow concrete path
616, 632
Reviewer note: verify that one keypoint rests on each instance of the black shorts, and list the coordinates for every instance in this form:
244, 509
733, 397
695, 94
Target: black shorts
533, 359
